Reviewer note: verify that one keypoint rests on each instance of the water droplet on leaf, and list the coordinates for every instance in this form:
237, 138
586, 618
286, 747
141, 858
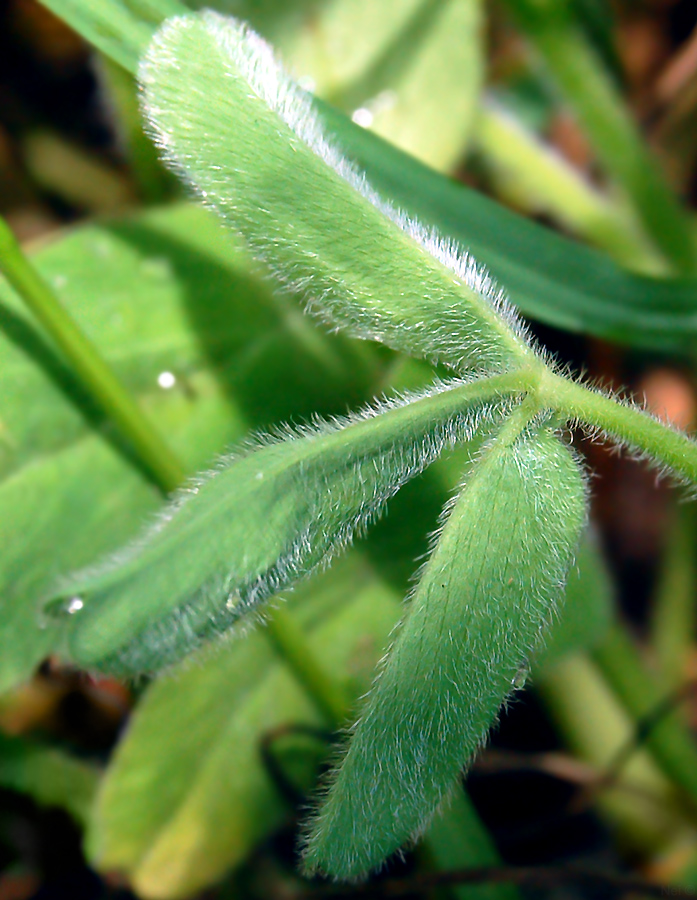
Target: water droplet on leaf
166, 380
64, 606
520, 677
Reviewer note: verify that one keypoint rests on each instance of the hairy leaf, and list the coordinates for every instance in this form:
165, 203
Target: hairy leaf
266, 517
267, 167
485, 598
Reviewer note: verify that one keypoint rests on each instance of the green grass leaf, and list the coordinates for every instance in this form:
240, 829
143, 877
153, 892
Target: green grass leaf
548, 277
601, 111
174, 296
266, 517
264, 165
485, 598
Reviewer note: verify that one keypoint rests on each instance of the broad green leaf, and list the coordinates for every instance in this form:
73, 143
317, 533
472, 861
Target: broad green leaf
188, 795
548, 277
422, 95
411, 70
48, 775
485, 597
268, 516
265, 163
165, 292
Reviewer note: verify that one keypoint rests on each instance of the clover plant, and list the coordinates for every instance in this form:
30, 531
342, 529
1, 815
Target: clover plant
281, 506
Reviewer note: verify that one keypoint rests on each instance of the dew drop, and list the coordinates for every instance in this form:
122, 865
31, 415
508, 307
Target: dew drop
362, 116
62, 607
521, 676
74, 605
166, 380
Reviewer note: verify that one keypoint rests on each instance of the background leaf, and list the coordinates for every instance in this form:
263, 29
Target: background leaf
187, 796
163, 292
588, 611
410, 70
49, 776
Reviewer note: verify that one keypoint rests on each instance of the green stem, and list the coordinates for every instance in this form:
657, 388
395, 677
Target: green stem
581, 75
292, 645
596, 727
674, 615
670, 743
94, 373
533, 176
626, 424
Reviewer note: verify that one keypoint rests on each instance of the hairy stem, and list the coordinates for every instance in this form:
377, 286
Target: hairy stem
624, 423
292, 645
93, 372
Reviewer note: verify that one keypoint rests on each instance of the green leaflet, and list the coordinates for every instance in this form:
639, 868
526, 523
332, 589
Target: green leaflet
267, 168
266, 518
485, 597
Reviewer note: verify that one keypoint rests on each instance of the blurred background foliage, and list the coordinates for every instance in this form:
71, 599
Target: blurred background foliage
594, 764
